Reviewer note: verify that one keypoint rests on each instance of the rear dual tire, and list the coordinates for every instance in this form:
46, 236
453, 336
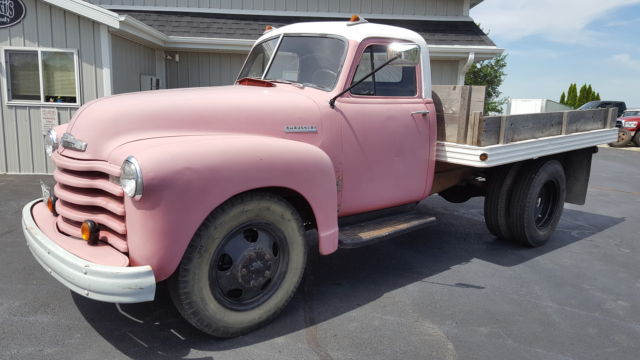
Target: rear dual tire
525, 205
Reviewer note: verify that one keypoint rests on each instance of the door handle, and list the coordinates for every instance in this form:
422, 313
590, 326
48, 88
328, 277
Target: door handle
421, 112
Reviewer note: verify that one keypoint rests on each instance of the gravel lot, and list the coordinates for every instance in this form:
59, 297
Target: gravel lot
450, 291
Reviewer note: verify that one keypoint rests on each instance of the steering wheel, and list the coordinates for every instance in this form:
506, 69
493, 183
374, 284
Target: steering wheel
323, 77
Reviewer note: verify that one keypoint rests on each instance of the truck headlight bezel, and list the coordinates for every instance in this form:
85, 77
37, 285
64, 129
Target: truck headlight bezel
131, 178
51, 142
630, 124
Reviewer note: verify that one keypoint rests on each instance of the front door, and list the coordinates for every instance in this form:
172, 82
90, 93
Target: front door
385, 135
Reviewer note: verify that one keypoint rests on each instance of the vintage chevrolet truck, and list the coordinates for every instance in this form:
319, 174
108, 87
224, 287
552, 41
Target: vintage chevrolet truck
332, 127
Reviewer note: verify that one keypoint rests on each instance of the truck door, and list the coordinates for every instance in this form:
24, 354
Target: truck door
385, 134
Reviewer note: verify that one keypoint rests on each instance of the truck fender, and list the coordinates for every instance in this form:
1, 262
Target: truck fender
185, 178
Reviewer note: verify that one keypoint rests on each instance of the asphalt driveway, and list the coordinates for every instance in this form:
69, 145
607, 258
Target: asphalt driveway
446, 292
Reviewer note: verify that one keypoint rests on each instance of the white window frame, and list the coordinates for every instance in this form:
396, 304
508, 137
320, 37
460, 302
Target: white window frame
39, 50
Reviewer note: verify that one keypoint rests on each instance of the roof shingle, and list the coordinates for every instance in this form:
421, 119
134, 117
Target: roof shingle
251, 27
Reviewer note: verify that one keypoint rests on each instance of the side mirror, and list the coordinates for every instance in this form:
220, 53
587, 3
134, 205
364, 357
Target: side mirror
405, 54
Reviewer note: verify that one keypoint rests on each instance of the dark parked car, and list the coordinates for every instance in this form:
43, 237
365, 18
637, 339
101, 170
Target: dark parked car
599, 104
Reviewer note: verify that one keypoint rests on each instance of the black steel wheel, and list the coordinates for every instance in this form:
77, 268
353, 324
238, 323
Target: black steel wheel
242, 266
537, 202
248, 266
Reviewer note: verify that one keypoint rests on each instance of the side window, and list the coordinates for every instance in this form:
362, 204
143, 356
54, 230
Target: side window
389, 81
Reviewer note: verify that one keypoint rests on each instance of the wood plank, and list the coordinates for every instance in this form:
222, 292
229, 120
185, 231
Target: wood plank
586, 120
532, 126
503, 127
612, 116
565, 120
488, 131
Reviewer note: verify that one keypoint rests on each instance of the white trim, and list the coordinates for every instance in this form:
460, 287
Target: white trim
86, 9
455, 52
105, 44
39, 50
522, 150
233, 45
315, 14
118, 284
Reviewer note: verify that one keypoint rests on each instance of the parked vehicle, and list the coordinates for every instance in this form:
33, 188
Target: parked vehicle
599, 104
629, 126
530, 106
331, 126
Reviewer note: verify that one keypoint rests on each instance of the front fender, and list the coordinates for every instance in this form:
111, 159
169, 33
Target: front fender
185, 178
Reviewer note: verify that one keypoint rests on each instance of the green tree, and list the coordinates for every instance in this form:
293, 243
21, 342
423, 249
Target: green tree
489, 73
583, 95
575, 98
572, 96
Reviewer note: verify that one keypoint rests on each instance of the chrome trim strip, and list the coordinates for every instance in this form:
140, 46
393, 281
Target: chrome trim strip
68, 141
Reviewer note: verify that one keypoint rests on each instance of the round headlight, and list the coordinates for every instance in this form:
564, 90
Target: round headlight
50, 142
131, 178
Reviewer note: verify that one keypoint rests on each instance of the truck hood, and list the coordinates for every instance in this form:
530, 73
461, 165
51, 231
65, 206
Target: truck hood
110, 122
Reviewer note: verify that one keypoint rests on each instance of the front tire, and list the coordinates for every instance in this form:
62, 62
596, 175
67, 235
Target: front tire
242, 266
537, 203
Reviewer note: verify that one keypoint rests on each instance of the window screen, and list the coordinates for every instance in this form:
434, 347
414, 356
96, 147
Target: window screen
24, 81
58, 77
41, 76
389, 81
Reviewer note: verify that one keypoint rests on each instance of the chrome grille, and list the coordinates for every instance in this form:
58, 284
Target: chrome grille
85, 192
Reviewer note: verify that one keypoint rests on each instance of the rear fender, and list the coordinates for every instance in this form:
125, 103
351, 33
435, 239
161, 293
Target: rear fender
186, 178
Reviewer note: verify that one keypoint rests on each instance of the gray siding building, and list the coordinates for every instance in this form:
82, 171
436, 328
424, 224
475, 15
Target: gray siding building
60, 54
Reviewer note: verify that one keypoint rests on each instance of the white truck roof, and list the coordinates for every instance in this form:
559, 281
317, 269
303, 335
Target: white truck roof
358, 32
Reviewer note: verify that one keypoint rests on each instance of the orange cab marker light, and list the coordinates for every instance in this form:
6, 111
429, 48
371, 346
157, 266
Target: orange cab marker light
268, 28
354, 18
484, 157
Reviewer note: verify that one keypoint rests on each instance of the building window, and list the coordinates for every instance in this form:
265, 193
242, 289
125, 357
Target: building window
41, 76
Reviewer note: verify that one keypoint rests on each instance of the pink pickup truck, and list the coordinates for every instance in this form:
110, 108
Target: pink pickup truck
212, 189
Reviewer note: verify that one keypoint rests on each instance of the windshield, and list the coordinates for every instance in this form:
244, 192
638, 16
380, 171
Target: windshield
631, 113
307, 60
590, 105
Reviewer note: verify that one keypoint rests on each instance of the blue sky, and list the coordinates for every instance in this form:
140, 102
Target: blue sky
552, 43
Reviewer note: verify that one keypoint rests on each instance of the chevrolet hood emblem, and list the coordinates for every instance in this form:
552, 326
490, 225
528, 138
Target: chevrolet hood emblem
70, 142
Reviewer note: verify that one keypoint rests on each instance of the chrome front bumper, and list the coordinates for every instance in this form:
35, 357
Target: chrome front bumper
117, 284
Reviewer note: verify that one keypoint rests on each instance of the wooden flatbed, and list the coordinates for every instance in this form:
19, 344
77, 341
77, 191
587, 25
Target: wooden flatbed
467, 138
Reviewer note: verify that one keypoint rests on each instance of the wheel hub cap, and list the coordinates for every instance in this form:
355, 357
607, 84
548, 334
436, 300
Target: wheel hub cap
255, 268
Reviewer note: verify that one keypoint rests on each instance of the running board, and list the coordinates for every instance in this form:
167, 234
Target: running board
372, 231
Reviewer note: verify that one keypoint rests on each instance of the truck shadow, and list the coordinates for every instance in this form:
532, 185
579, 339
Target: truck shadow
339, 283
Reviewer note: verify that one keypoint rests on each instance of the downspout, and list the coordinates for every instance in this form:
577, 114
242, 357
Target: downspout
466, 67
